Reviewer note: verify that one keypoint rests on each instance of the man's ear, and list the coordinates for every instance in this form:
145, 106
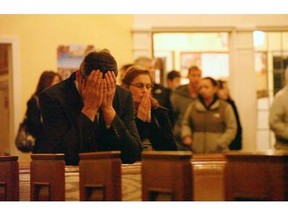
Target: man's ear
78, 76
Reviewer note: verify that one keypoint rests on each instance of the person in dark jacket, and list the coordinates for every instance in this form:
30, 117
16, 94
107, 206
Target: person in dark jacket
152, 120
223, 93
34, 119
88, 112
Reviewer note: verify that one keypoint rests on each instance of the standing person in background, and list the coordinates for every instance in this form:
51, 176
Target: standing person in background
34, 118
88, 112
122, 71
173, 80
223, 93
278, 116
209, 124
152, 120
181, 98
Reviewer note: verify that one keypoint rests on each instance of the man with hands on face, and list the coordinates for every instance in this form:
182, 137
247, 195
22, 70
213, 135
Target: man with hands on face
88, 112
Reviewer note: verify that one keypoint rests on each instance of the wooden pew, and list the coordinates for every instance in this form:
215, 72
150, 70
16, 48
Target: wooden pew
257, 176
208, 177
207, 169
47, 177
166, 176
100, 176
9, 178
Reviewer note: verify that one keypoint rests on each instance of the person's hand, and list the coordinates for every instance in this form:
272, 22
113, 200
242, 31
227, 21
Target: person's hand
109, 89
144, 109
92, 94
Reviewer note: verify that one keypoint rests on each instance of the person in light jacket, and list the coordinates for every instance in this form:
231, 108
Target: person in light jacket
278, 116
209, 124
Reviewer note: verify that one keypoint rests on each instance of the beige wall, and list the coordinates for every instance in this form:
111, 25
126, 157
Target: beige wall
37, 38
40, 35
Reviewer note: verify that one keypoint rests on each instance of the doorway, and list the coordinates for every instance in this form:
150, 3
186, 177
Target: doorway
4, 99
10, 108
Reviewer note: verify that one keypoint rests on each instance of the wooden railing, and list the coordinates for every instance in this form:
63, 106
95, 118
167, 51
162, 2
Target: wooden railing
9, 178
215, 177
47, 177
261, 176
207, 182
166, 176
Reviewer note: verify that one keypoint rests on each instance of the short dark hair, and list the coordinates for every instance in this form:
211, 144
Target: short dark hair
193, 68
213, 81
173, 74
99, 60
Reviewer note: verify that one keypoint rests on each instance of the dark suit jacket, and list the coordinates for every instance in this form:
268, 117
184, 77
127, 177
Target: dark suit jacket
70, 132
158, 131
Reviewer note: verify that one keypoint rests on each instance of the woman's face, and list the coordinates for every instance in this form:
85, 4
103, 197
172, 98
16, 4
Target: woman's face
207, 90
141, 85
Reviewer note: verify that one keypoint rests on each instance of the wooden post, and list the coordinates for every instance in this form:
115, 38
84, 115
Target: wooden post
256, 176
100, 176
47, 177
9, 178
208, 176
166, 176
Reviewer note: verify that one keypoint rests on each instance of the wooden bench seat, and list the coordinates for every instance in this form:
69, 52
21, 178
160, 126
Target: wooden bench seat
9, 178
208, 180
258, 176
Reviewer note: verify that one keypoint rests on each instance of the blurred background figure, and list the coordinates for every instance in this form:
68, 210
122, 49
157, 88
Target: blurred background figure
173, 80
278, 116
34, 119
209, 124
223, 93
152, 120
122, 71
181, 98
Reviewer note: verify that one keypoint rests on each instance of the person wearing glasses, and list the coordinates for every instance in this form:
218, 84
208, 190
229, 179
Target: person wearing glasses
88, 112
152, 119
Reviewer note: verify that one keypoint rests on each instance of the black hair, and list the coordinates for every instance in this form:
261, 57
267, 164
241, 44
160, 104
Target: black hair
173, 74
99, 60
213, 81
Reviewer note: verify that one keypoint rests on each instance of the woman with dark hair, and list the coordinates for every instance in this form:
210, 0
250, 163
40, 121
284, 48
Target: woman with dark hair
223, 93
34, 120
152, 120
209, 124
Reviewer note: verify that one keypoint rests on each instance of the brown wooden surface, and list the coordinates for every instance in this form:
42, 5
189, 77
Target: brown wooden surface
100, 176
208, 180
47, 177
257, 176
208, 176
9, 178
166, 176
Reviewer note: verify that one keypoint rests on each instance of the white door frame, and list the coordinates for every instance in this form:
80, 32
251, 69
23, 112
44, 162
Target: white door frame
14, 89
